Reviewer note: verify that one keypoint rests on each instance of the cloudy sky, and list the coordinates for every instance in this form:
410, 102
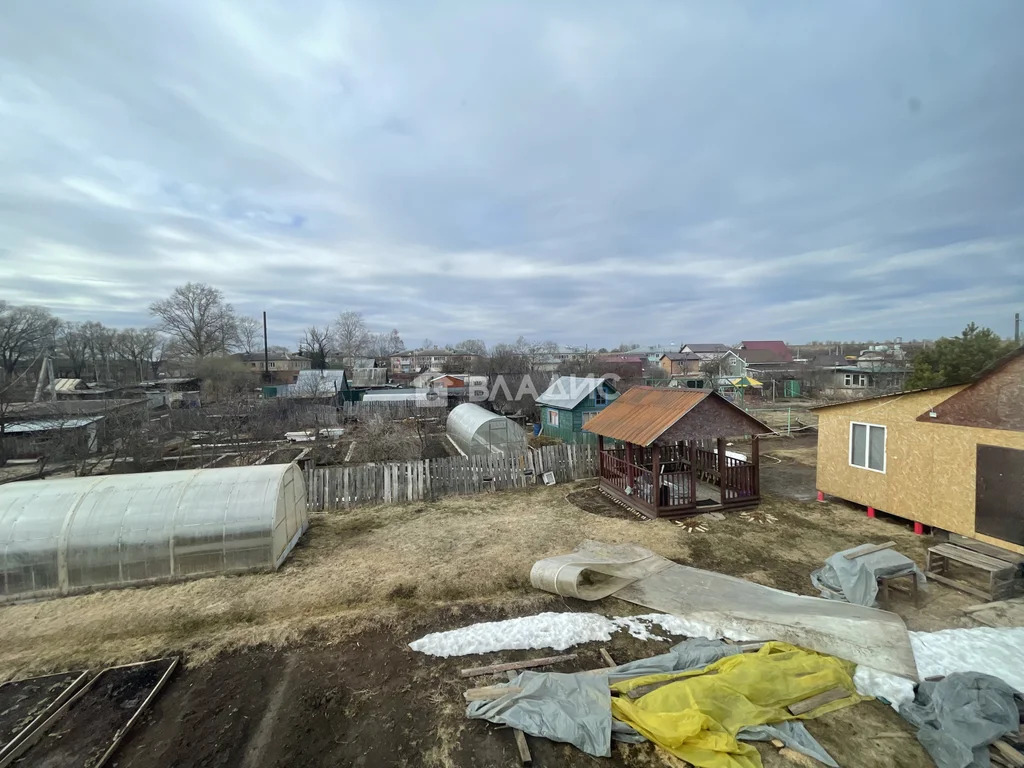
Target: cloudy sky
587, 172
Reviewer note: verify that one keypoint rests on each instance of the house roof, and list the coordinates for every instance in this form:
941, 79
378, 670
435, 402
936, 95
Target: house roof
258, 357
643, 414
778, 349
854, 401
59, 409
680, 356
707, 348
648, 350
68, 385
45, 425
569, 391
760, 356
614, 358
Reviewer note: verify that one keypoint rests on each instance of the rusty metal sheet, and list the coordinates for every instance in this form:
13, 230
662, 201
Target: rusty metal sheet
642, 414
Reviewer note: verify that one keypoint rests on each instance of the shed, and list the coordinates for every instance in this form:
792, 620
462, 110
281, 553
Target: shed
570, 402
673, 452
951, 457
58, 537
475, 431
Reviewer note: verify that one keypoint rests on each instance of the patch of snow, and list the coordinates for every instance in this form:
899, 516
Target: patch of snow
995, 651
552, 630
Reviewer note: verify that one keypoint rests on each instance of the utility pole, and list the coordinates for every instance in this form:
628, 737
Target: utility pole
266, 351
1016, 328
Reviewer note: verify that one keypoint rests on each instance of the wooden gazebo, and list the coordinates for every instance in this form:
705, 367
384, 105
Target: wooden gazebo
663, 452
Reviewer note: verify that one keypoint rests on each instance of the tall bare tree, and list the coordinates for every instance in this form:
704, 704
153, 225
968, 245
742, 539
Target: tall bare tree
386, 343
24, 332
250, 333
100, 344
471, 347
317, 344
197, 317
138, 346
350, 336
71, 344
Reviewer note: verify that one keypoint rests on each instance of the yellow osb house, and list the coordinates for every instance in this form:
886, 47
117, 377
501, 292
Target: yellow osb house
951, 458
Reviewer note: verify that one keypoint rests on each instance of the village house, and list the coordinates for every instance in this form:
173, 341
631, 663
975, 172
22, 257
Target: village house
705, 352
680, 363
951, 458
281, 368
653, 354
663, 452
570, 402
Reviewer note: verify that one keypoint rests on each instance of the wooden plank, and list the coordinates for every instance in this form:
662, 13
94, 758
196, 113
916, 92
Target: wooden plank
807, 705
995, 604
972, 590
986, 549
490, 692
119, 736
525, 664
1013, 756
524, 749
970, 557
869, 550
607, 657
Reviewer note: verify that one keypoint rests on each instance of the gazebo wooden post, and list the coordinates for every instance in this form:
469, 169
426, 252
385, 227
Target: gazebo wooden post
721, 468
691, 448
629, 466
755, 459
656, 476
600, 457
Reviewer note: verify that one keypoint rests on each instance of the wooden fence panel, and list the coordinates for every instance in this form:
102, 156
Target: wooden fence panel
429, 479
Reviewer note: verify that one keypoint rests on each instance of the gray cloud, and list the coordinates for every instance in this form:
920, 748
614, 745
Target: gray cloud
585, 172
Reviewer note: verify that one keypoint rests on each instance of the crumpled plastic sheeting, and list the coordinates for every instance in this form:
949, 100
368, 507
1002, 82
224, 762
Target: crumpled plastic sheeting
698, 717
794, 735
732, 606
856, 581
576, 708
959, 716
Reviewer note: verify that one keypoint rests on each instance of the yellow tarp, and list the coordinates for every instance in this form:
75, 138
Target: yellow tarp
697, 717
745, 381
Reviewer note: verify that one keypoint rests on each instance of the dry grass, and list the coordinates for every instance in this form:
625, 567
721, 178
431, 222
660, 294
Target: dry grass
381, 565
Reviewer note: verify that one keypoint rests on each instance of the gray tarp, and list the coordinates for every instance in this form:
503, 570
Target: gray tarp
576, 708
959, 716
856, 581
862, 635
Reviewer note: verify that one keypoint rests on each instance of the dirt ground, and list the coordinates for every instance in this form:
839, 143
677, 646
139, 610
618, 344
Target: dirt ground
310, 665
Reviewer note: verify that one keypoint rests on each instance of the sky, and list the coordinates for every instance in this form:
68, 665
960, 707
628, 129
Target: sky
588, 172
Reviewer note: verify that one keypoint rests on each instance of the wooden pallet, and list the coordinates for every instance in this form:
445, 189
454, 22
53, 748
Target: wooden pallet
1002, 575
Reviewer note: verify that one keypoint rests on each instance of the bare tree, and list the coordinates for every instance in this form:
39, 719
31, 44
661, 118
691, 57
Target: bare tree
226, 379
250, 331
100, 343
386, 343
71, 344
197, 317
317, 344
24, 333
471, 347
428, 343
138, 347
350, 336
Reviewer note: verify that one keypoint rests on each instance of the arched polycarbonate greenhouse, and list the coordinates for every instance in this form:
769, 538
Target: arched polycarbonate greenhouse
477, 431
63, 536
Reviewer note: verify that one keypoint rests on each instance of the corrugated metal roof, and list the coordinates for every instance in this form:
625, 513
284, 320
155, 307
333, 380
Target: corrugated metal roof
68, 385
642, 414
45, 425
569, 391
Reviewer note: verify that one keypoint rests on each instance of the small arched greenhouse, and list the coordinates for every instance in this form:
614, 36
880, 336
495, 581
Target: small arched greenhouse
478, 432
58, 537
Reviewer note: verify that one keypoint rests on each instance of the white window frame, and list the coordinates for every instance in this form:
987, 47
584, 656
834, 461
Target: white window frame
552, 417
858, 380
867, 446
588, 415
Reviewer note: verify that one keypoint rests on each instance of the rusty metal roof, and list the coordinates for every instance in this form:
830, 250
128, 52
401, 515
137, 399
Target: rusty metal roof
642, 414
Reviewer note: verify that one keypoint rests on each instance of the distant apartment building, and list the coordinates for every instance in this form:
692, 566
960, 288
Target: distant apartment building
440, 360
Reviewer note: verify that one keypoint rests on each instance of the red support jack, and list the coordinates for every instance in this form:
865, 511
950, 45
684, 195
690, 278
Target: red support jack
918, 528
821, 495
871, 511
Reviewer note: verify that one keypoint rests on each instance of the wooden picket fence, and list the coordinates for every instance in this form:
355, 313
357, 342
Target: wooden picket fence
347, 486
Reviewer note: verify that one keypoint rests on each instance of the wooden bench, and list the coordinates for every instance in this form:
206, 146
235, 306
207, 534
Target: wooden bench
1002, 575
885, 585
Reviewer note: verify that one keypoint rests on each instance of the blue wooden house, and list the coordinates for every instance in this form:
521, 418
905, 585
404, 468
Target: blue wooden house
570, 402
